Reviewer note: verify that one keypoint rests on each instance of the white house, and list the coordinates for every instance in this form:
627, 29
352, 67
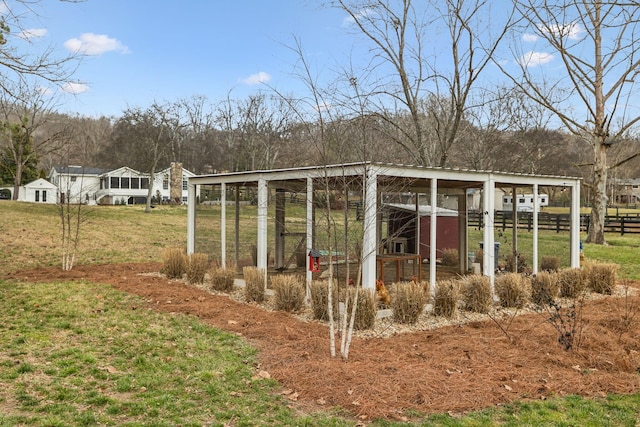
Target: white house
39, 191
77, 184
524, 202
120, 186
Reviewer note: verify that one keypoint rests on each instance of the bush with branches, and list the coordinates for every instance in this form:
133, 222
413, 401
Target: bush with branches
365, 316
319, 290
544, 288
601, 277
450, 257
571, 282
220, 278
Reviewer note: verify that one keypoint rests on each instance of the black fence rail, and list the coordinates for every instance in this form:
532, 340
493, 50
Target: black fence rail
623, 224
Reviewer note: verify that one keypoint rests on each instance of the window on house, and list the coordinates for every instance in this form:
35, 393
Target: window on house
37, 195
184, 184
165, 183
124, 182
184, 199
144, 183
44, 195
115, 182
135, 183
521, 201
73, 178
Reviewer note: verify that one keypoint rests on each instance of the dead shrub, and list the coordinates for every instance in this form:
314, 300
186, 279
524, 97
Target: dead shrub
571, 282
511, 260
601, 277
446, 298
319, 290
450, 257
408, 302
197, 265
544, 288
513, 289
550, 263
476, 293
289, 293
366, 310
174, 263
254, 284
221, 279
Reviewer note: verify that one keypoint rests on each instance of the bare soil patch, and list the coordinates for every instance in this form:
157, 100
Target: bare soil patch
450, 369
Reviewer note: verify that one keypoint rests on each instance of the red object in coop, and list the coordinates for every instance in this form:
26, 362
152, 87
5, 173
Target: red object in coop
314, 261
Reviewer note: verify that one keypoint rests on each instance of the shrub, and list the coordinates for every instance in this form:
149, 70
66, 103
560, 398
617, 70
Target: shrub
222, 278
288, 291
550, 263
450, 257
476, 293
513, 289
601, 277
510, 262
197, 265
366, 310
571, 282
446, 298
408, 302
544, 288
254, 284
174, 260
320, 300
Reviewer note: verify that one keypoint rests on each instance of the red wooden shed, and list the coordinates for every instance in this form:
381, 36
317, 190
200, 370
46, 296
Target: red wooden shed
401, 235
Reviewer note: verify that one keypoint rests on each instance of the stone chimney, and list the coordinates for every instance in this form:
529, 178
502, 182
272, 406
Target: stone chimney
175, 183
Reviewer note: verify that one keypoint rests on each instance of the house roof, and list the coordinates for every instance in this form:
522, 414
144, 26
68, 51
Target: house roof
387, 173
40, 183
423, 210
79, 170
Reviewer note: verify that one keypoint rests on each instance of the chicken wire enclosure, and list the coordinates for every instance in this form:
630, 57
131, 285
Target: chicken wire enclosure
267, 223
286, 226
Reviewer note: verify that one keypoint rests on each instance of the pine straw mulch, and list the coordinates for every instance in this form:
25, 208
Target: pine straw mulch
452, 369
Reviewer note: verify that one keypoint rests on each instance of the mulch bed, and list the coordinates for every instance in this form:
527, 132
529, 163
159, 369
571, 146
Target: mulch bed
453, 369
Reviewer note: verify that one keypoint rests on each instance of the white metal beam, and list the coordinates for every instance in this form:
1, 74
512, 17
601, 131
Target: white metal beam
369, 232
575, 226
309, 233
536, 208
191, 218
223, 225
263, 202
432, 238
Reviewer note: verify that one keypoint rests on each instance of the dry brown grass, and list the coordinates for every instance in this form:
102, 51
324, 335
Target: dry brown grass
446, 298
571, 282
366, 310
254, 284
174, 262
197, 265
513, 289
544, 288
601, 277
476, 293
450, 257
289, 292
320, 300
220, 278
408, 302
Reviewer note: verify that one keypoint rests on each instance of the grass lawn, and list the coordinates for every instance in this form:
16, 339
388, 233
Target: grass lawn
83, 354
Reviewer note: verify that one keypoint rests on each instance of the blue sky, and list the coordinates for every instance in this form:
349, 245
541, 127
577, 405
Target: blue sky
138, 51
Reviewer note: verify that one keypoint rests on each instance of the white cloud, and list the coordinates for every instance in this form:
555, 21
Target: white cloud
571, 31
533, 58
530, 38
95, 44
364, 13
75, 88
32, 33
257, 78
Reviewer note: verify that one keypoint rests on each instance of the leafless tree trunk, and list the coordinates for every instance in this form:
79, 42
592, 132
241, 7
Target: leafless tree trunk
595, 43
401, 32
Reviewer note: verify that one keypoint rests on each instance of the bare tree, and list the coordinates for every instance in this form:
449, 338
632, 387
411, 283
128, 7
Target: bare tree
595, 43
23, 109
32, 64
400, 32
146, 135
